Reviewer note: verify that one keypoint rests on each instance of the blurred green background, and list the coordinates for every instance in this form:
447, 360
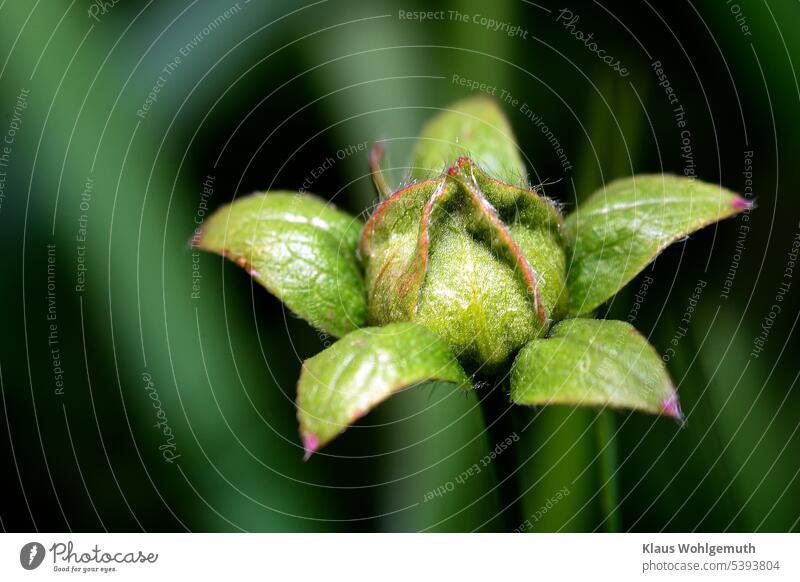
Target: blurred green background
116, 116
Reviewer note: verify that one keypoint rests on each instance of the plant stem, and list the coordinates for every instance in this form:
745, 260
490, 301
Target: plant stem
500, 425
608, 464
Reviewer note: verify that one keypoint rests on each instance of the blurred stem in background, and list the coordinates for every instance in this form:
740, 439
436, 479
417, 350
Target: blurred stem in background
605, 430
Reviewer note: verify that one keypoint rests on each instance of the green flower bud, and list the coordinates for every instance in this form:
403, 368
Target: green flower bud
476, 260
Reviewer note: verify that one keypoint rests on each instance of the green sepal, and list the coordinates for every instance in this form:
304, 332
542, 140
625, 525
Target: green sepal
301, 248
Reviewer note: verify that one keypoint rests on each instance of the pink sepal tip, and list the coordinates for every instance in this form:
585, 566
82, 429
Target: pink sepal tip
310, 444
671, 407
742, 204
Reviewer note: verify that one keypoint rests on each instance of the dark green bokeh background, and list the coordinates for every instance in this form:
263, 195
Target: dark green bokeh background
260, 102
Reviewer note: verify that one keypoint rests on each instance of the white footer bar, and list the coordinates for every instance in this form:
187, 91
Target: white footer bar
406, 557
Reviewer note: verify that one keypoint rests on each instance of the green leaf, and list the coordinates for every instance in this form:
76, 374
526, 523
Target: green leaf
301, 249
594, 363
477, 128
624, 226
347, 380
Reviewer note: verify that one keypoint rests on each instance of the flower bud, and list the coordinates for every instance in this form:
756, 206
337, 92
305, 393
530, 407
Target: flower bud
478, 261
